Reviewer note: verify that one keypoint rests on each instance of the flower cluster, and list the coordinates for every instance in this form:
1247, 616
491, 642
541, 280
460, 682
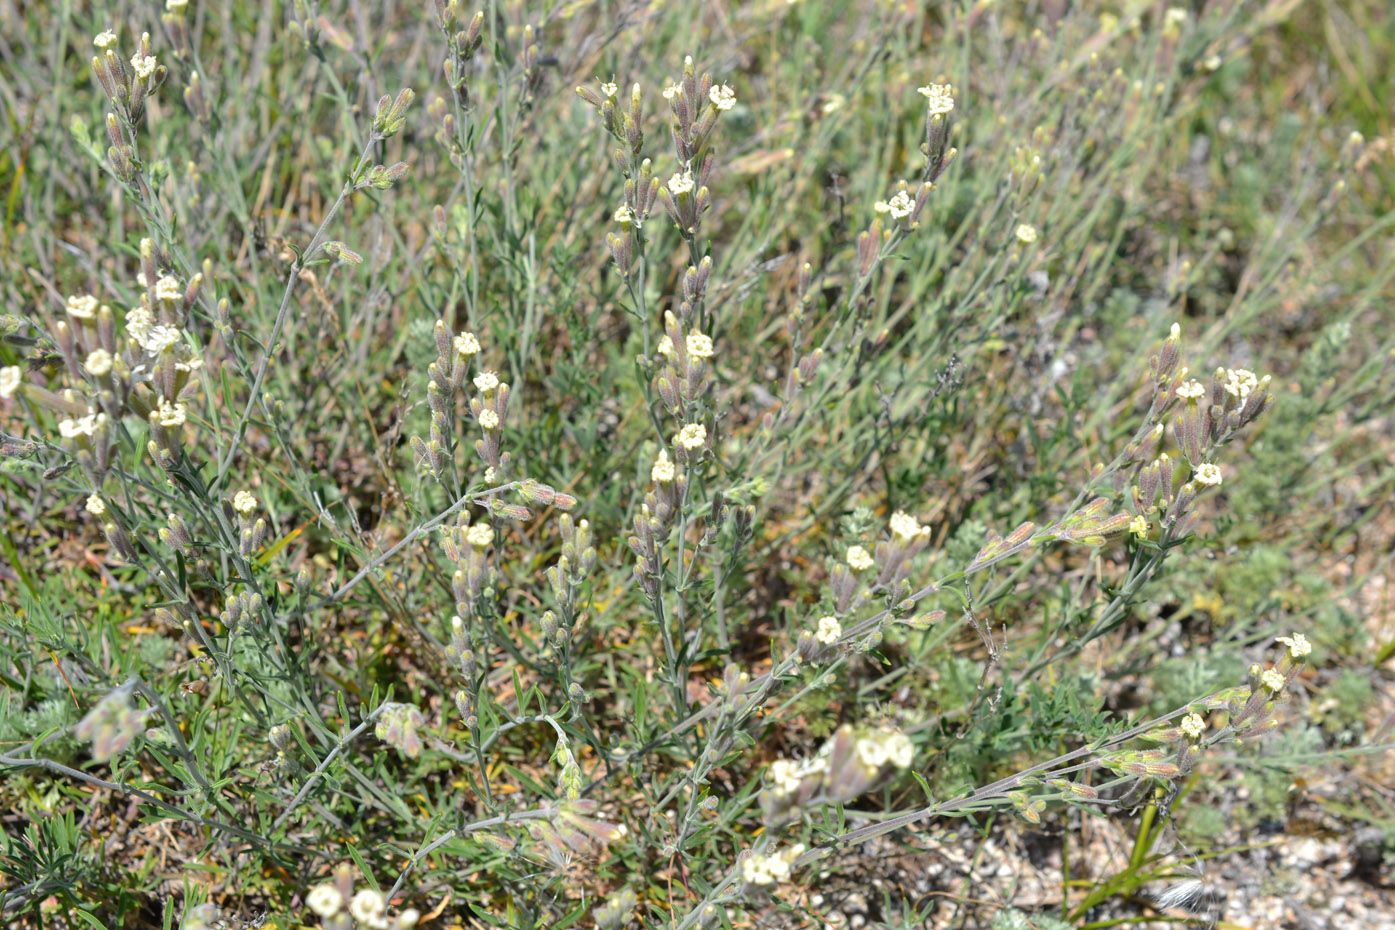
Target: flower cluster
848, 764
111, 725
339, 907
455, 353
399, 726
764, 870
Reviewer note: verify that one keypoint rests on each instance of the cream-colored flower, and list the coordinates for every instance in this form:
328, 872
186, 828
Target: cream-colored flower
144, 65
698, 345
96, 506
168, 414
244, 502
906, 528
663, 471
1192, 726
722, 97
489, 419
1273, 680
82, 426
176, 6
480, 535
1139, 526
138, 324
672, 89
367, 907
486, 381
324, 900
859, 559
1026, 233
82, 307
900, 205
625, 216
1207, 474
10, 378
1239, 382
408, 918
1298, 645
899, 750
1191, 389
466, 345
167, 287
609, 89
830, 630
692, 437
98, 362
939, 98
665, 347
872, 751
159, 338
680, 183
105, 39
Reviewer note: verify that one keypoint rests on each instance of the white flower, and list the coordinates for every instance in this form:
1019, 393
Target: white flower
939, 98
144, 65
82, 426
906, 528
1298, 645
175, 6
10, 377
466, 345
722, 97
680, 183
1239, 382
408, 918
367, 907
624, 215
1208, 474
829, 630
138, 323
899, 750
169, 288
105, 39
665, 347
692, 437
82, 307
859, 559
480, 535
324, 900
489, 419
784, 777
698, 345
872, 752
96, 506
1191, 389
900, 205
672, 89
1175, 17
1026, 233
609, 88
663, 471
1273, 680
1192, 726
486, 381
768, 870
168, 414
98, 362
159, 338
244, 502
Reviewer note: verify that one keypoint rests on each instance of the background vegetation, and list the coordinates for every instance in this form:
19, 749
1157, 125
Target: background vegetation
211, 705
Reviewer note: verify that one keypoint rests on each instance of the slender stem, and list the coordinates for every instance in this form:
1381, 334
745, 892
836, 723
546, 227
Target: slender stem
350, 185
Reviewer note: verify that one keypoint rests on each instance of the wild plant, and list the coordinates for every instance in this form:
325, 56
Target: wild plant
630, 508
